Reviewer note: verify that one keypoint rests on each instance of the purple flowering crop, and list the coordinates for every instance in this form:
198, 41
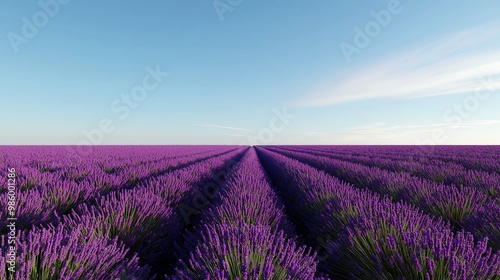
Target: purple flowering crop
238, 212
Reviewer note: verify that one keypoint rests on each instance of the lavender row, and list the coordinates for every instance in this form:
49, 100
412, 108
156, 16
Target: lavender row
147, 219
245, 234
363, 235
141, 220
108, 169
486, 164
432, 169
464, 207
480, 158
68, 254
39, 206
450, 151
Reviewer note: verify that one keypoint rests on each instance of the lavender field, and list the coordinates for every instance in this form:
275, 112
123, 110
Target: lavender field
262, 212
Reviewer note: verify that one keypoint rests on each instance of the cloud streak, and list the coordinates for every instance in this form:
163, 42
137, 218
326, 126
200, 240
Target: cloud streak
225, 127
460, 63
381, 133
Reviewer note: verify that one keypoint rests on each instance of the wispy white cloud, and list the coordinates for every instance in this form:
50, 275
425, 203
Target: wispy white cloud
484, 122
381, 133
383, 129
460, 63
237, 135
225, 127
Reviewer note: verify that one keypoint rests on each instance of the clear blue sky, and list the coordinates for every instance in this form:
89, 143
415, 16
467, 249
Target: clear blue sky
428, 74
